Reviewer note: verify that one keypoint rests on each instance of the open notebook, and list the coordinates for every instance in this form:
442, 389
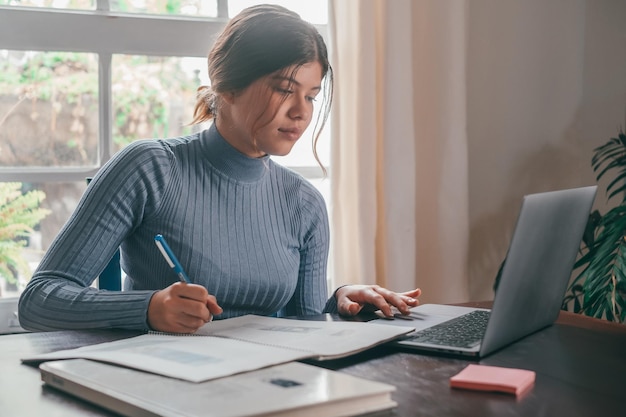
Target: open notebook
230, 346
532, 285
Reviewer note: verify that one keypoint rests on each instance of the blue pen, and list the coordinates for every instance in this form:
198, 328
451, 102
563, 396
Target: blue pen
171, 258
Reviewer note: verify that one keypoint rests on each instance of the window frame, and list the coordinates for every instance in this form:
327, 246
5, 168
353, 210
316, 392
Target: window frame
106, 33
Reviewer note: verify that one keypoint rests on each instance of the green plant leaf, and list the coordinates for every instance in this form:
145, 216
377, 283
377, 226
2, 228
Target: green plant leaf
599, 287
19, 213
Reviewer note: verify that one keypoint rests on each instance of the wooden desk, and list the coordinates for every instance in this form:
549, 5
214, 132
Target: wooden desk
580, 364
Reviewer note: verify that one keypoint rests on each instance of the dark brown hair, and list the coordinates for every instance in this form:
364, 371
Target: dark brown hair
259, 41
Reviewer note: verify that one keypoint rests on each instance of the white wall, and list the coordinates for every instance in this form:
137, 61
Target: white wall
546, 85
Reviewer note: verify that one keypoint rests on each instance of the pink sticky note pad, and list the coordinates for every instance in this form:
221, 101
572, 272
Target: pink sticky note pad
494, 378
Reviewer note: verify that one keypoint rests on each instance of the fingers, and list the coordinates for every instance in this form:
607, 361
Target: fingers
203, 306
352, 299
410, 298
182, 308
387, 299
213, 307
345, 307
190, 291
413, 293
403, 302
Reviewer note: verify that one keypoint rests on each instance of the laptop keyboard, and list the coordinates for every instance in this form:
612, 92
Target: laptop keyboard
464, 331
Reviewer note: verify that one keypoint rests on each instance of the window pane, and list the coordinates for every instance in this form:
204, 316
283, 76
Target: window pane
48, 109
19, 260
170, 7
154, 97
53, 4
313, 11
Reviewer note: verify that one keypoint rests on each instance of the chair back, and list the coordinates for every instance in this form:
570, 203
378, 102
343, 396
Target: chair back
111, 278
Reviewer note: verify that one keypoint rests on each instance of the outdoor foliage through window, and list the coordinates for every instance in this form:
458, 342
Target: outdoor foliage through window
53, 4
48, 109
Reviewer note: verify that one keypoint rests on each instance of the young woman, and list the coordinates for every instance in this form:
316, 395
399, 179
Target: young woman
252, 235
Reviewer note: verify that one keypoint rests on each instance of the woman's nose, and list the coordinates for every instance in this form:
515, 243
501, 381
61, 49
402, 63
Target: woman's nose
299, 108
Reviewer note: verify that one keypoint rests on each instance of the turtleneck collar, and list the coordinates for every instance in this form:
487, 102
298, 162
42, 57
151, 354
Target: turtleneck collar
228, 160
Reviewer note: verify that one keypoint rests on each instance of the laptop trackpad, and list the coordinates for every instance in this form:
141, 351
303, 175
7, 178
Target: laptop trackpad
426, 315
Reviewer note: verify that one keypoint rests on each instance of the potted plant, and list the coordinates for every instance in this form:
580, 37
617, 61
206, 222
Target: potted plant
599, 288
19, 213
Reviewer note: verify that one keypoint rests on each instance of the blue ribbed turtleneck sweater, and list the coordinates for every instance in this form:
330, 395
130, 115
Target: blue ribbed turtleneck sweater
254, 233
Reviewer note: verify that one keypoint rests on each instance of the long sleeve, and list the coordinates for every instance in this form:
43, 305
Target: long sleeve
254, 233
120, 196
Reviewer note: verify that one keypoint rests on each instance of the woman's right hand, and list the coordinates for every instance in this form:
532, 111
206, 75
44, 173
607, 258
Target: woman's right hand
181, 308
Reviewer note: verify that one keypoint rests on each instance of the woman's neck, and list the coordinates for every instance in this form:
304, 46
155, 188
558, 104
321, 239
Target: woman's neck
237, 136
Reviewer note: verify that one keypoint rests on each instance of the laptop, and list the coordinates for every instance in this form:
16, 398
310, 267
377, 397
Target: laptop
531, 288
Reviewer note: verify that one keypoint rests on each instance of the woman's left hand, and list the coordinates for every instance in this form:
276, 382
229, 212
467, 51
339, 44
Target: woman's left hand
351, 299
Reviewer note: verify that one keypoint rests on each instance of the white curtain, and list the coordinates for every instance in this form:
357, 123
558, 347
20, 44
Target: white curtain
399, 154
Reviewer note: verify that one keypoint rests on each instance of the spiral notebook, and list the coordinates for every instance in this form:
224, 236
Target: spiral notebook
227, 347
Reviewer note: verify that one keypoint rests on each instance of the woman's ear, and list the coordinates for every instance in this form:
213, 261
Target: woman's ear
228, 97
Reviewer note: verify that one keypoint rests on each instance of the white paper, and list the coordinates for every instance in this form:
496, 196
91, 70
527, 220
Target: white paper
323, 339
189, 358
231, 346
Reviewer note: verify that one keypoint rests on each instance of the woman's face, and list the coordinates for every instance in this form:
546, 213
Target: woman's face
270, 115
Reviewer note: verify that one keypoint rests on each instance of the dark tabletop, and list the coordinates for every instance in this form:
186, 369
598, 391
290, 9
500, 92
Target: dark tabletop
580, 365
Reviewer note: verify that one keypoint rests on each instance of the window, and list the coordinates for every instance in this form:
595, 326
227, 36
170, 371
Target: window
95, 76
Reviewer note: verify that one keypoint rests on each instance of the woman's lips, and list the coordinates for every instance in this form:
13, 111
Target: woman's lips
293, 134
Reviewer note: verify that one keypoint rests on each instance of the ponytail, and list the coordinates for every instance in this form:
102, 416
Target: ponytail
206, 105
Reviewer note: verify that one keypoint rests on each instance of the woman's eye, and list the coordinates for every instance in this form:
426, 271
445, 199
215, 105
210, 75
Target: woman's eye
284, 91
311, 99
